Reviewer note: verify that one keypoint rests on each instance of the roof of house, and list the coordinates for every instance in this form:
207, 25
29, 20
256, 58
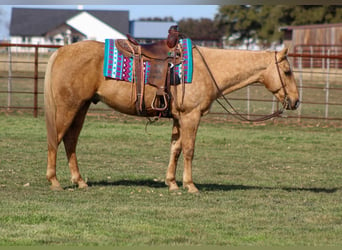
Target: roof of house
149, 29
37, 22
93, 28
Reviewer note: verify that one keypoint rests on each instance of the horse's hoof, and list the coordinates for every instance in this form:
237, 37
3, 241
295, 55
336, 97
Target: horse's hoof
193, 191
173, 188
82, 185
172, 185
191, 188
56, 188
80, 182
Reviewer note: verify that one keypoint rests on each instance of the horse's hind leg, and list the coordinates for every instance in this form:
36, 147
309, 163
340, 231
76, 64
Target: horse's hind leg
176, 148
53, 142
51, 168
70, 141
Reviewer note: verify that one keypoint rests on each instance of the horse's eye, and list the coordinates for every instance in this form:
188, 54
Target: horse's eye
288, 72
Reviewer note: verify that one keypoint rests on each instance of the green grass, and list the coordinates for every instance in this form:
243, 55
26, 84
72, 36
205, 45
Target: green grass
266, 185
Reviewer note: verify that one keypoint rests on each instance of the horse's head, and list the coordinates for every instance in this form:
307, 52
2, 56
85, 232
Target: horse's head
279, 79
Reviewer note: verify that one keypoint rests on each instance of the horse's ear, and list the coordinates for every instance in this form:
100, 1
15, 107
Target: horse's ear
282, 54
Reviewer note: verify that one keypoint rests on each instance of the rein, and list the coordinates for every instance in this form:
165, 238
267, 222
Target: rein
236, 113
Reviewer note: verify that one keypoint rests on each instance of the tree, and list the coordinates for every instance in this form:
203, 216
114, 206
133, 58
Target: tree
239, 21
200, 29
157, 19
262, 23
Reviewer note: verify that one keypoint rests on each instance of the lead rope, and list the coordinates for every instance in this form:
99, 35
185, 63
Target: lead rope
237, 114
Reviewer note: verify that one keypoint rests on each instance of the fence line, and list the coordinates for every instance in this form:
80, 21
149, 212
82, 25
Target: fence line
35, 77
319, 78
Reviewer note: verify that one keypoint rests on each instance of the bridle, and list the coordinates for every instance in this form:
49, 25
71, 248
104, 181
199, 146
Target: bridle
236, 113
285, 103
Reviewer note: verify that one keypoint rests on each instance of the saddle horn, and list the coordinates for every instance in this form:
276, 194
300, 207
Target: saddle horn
173, 37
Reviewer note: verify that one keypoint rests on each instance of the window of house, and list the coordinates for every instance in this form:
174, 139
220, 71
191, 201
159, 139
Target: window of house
26, 39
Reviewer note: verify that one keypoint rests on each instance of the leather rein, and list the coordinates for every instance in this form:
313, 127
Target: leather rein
236, 113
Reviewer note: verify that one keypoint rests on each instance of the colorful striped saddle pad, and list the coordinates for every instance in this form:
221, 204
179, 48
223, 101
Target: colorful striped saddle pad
119, 67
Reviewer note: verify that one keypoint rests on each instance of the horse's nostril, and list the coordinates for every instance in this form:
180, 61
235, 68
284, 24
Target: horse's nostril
297, 103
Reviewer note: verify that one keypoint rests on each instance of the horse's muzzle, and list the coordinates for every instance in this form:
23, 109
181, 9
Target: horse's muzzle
292, 105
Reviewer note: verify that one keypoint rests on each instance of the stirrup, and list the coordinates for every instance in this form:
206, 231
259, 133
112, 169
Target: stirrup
163, 108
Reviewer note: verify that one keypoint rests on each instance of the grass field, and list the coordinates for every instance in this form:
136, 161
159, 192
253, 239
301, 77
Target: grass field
266, 185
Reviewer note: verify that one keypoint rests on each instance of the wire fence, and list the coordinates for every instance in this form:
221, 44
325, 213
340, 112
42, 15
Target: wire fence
317, 68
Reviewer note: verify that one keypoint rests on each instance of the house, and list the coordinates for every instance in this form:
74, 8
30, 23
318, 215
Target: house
63, 26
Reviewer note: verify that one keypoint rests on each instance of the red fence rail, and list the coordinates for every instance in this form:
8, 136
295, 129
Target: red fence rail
324, 52
319, 77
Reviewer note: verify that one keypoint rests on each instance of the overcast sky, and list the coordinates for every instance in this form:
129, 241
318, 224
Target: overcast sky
135, 12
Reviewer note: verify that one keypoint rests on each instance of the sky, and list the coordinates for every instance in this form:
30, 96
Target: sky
135, 12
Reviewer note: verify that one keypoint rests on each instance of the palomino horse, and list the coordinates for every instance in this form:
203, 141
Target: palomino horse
74, 78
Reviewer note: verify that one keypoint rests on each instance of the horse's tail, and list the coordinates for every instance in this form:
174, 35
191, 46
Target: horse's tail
50, 105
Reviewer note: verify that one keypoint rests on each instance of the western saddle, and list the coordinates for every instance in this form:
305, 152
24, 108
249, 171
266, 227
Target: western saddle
162, 56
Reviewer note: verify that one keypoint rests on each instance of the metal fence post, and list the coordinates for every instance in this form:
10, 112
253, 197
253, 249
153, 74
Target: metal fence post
35, 99
9, 81
300, 68
248, 102
327, 86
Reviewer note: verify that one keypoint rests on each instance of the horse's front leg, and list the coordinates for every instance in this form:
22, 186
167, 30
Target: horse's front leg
188, 129
176, 147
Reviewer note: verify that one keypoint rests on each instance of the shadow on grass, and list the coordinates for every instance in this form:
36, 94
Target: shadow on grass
208, 187
147, 183
224, 187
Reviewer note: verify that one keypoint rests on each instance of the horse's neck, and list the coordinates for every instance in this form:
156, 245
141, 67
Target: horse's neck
235, 69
